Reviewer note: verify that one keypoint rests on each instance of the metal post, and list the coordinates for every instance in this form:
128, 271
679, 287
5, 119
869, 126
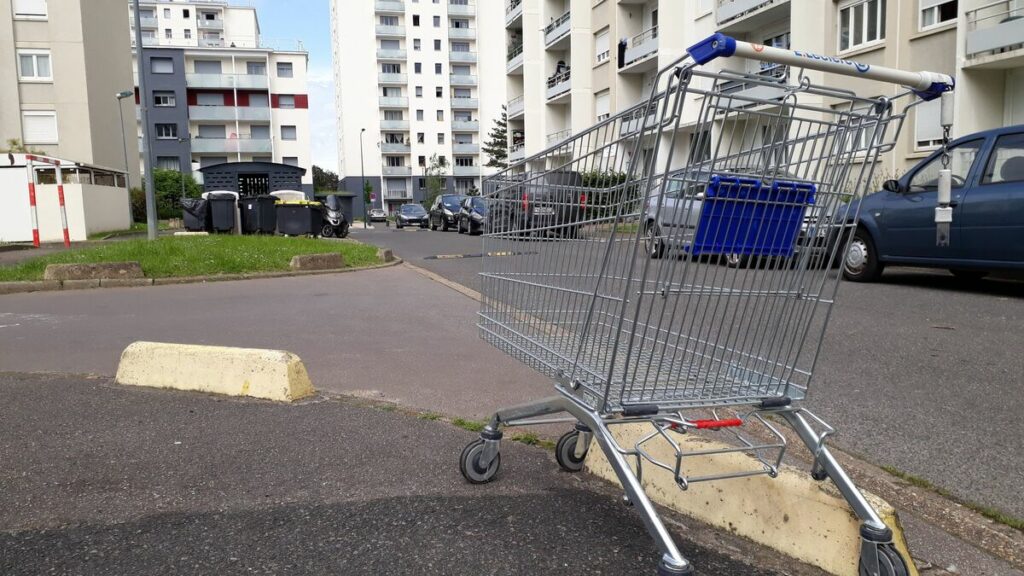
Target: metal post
124, 144
362, 170
147, 163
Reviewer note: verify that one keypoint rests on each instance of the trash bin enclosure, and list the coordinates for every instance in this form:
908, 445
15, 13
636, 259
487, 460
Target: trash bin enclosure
252, 178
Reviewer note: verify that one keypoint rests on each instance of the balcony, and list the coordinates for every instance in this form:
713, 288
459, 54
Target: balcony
464, 8
393, 102
465, 125
390, 54
211, 42
738, 16
385, 31
465, 148
231, 145
556, 31
389, 6
388, 78
398, 194
394, 124
559, 84
462, 80
638, 58
397, 170
517, 152
248, 81
995, 36
462, 57
514, 13
228, 113
516, 107
461, 33
147, 41
146, 22
556, 137
395, 148
639, 118
204, 24
465, 170
465, 103
514, 63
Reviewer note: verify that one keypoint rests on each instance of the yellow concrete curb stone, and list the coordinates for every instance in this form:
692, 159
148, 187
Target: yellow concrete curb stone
793, 513
269, 374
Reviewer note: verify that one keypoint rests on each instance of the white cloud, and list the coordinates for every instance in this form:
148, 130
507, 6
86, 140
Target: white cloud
322, 120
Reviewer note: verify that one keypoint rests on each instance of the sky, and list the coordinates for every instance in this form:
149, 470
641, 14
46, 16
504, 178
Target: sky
310, 22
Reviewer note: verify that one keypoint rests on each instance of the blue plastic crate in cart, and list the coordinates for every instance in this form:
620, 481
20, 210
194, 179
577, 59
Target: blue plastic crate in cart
743, 216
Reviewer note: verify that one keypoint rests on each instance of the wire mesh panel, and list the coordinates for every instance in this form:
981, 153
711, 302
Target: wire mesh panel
671, 262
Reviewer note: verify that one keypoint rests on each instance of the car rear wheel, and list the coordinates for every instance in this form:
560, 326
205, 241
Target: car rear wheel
861, 263
968, 274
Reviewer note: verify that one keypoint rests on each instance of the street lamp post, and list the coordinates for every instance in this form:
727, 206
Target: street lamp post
362, 170
147, 160
124, 144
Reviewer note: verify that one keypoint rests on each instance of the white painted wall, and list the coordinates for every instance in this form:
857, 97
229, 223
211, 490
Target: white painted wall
90, 209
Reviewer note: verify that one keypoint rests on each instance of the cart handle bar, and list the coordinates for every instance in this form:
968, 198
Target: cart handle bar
927, 85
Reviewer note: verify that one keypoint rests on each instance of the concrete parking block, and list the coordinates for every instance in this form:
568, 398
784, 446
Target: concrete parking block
93, 271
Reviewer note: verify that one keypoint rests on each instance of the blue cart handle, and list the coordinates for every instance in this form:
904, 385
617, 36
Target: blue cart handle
927, 85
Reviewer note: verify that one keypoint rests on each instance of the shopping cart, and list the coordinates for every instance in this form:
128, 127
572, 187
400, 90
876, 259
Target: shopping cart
614, 287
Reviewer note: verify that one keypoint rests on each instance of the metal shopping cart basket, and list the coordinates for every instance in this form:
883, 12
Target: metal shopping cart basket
613, 282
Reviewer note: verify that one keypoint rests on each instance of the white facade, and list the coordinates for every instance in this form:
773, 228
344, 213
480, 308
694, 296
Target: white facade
246, 100
410, 84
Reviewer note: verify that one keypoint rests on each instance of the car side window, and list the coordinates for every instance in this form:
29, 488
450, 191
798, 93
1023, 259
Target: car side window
961, 157
1006, 164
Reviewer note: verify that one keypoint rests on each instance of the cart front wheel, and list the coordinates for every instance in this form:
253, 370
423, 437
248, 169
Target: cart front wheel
472, 470
565, 452
733, 260
652, 240
890, 563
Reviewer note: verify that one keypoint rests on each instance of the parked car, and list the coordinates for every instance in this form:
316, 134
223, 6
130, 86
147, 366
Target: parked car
473, 215
897, 224
411, 215
378, 215
552, 204
444, 212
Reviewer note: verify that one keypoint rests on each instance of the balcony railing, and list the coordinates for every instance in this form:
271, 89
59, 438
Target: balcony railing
395, 147
465, 125
731, 9
995, 28
230, 113
211, 42
398, 194
461, 8
513, 11
465, 170
204, 24
516, 106
559, 83
462, 57
393, 102
147, 21
251, 81
556, 137
461, 33
459, 103
642, 45
147, 41
390, 54
391, 78
389, 6
394, 124
388, 31
465, 148
515, 58
227, 145
462, 80
397, 170
556, 29
517, 151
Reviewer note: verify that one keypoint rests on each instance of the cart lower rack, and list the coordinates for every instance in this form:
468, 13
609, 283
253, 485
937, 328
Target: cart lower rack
616, 289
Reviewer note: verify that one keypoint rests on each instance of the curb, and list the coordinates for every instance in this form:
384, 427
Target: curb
52, 285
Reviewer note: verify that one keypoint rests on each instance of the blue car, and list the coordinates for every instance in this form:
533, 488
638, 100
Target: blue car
897, 224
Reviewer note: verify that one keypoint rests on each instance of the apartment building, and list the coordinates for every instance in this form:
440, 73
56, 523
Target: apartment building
63, 62
412, 82
571, 63
217, 91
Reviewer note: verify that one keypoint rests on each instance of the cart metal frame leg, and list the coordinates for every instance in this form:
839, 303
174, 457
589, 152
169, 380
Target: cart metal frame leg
672, 562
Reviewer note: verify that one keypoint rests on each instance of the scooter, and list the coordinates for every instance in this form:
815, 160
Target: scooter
335, 225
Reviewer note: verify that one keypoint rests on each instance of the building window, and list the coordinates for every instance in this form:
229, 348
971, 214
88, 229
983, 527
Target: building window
437, 21
284, 70
419, 91
286, 101
185, 13
393, 115
168, 163
290, 160
256, 68
163, 99
394, 161
440, 115
161, 65
416, 44
188, 33
420, 139
415, 19
167, 12
437, 45
288, 133
440, 137
34, 65
391, 68
166, 131
388, 20
927, 131
860, 23
168, 34
439, 92
601, 50
30, 9
602, 105
39, 127
460, 47
419, 115
464, 161
437, 68
935, 12
417, 67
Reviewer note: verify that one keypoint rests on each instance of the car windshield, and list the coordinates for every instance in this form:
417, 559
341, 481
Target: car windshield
412, 210
479, 205
451, 202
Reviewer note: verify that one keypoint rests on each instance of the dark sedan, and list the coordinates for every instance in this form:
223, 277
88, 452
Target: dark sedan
411, 215
444, 212
473, 215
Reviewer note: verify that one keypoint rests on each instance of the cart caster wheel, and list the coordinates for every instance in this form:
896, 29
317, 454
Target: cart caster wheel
890, 563
666, 569
469, 464
565, 452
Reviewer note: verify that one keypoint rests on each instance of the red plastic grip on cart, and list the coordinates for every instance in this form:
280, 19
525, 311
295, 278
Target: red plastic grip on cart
713, 424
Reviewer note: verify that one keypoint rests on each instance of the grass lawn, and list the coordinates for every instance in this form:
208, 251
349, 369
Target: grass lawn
197, 255
137, 227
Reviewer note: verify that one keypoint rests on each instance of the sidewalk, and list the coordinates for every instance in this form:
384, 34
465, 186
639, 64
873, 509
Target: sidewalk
103, 479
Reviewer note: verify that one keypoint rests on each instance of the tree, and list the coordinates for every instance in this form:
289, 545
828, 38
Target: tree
496, 146
436, 170
15, 146
324, 180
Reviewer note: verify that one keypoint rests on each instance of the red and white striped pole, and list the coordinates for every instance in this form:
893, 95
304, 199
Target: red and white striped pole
32, 201
63, 210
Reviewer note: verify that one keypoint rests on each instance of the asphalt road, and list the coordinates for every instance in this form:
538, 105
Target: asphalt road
102, 479
920, 371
